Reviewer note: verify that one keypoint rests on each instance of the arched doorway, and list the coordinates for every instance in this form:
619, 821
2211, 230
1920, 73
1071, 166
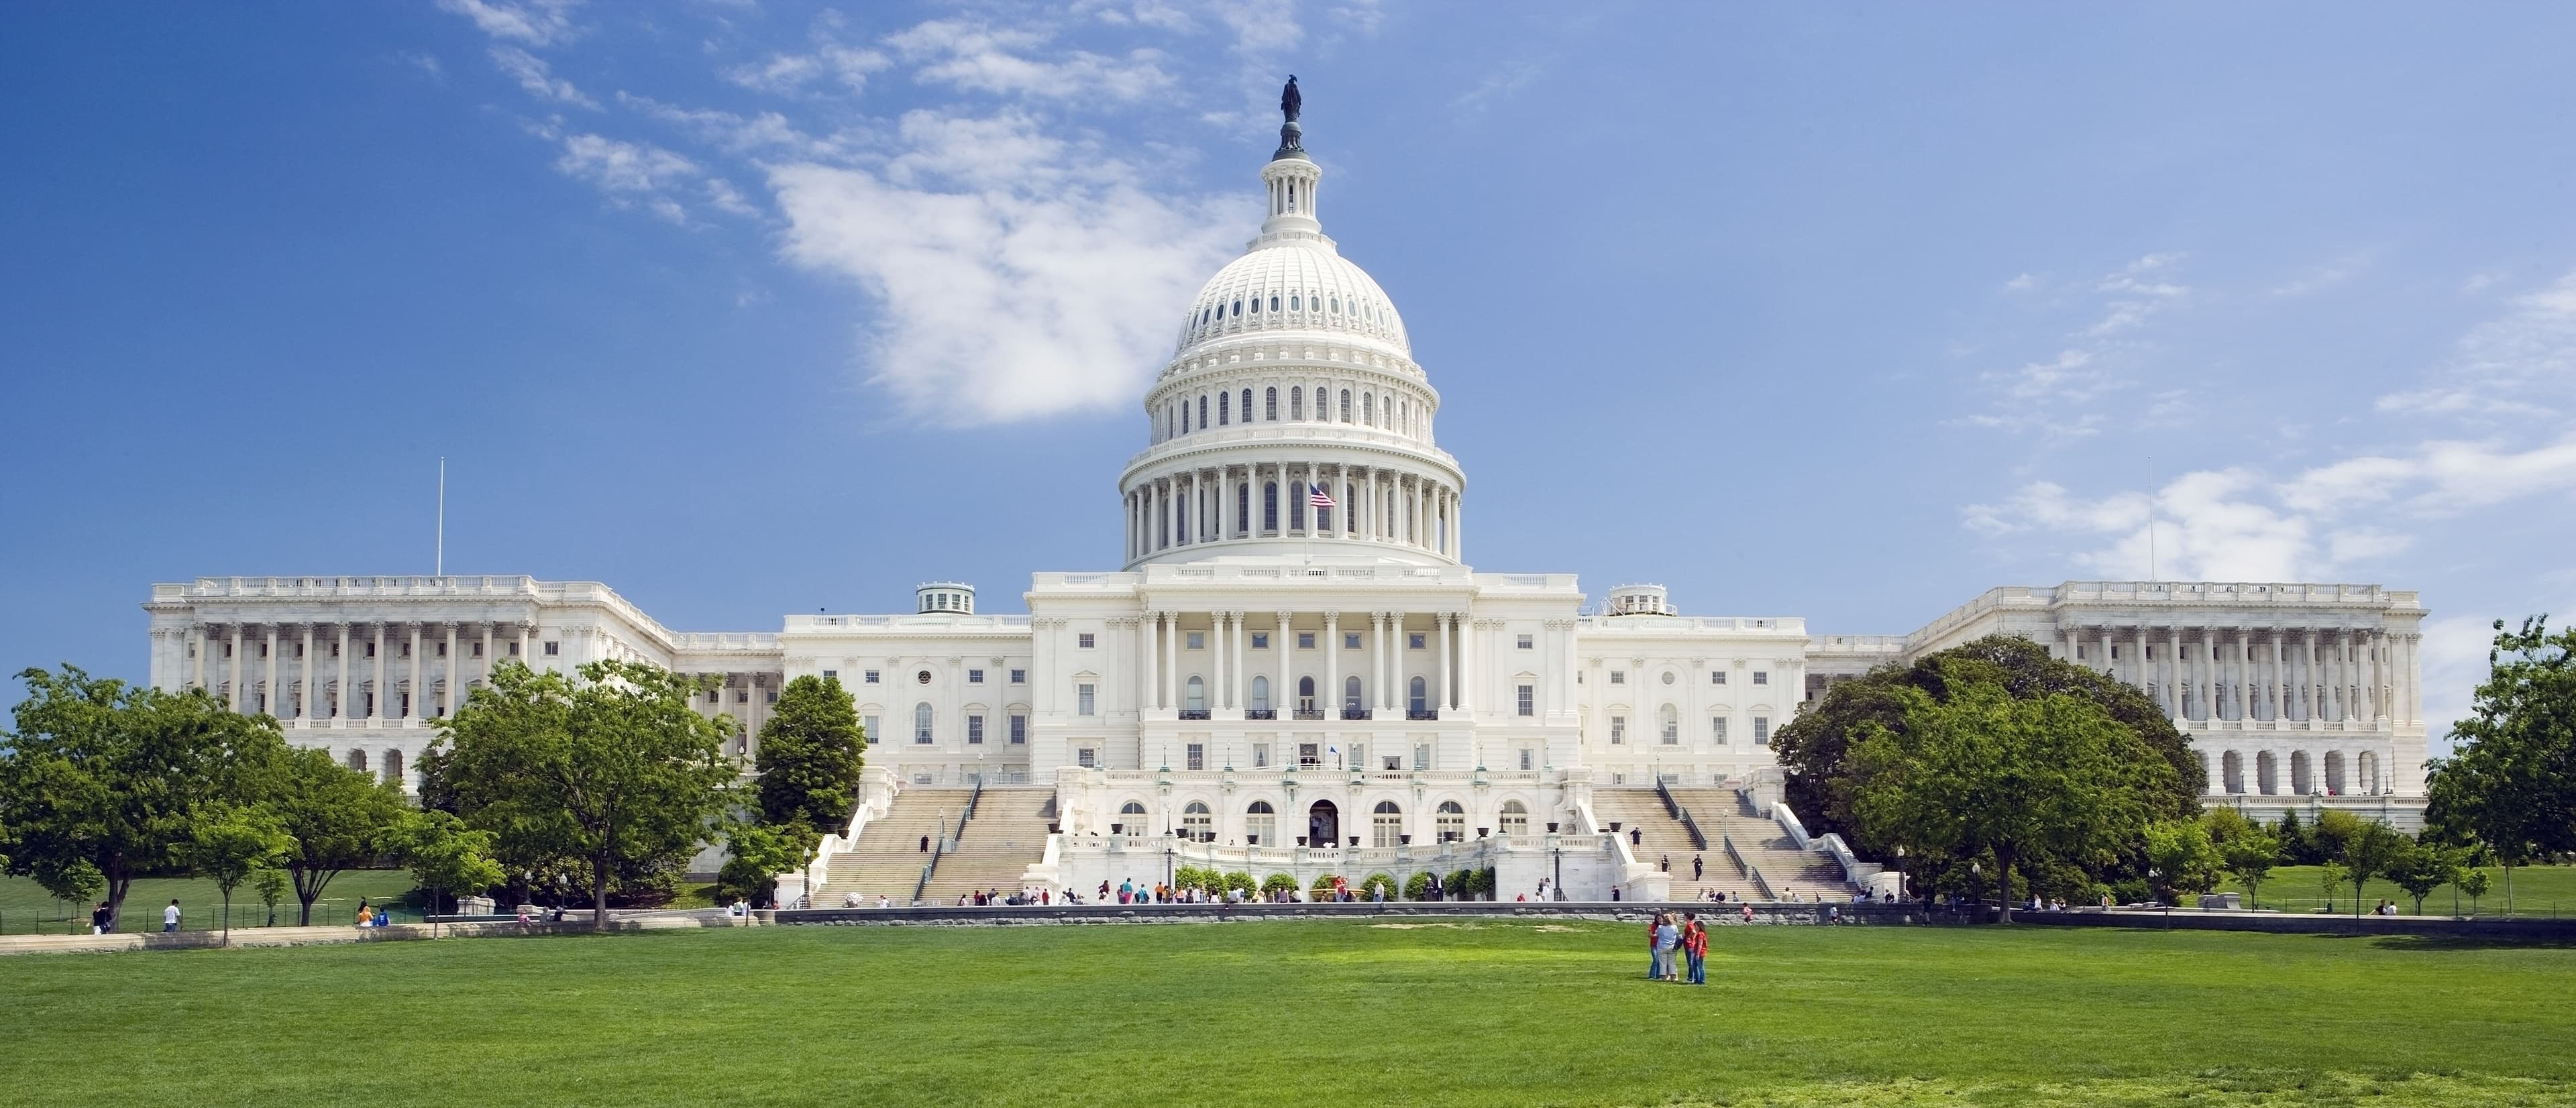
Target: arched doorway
1323, 824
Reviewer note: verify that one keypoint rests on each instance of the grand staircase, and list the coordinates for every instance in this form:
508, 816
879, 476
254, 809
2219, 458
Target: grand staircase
1722, 816
990, 851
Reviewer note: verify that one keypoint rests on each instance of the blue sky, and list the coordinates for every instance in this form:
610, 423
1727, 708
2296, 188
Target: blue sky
752, 307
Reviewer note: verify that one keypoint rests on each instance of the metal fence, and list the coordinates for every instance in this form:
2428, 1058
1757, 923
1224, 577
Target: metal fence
71, 918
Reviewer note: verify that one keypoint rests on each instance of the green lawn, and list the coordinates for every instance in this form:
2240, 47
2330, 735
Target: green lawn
26, 908
2538, 891
1339, 1012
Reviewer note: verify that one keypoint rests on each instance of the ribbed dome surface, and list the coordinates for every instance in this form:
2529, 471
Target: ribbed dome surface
1300, 285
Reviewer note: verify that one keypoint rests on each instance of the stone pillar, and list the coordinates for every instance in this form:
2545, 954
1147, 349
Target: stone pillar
1283, 696
196, 660
1446, 628
1171, 646
307, 687
419, 679
343, 687
1149, 669
383, 695
2173, 664
1376, 698
447, 676
1330, 697
234, 683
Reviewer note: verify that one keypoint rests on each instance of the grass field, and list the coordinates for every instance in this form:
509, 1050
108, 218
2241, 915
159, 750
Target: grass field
1464, 1013
26, 908
2539, 891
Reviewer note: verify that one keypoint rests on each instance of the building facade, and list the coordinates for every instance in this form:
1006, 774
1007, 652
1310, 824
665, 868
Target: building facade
1295, 648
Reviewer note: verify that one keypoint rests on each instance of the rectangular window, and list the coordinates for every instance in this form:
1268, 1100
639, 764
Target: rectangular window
974, 677
1306, 755
1359, 756
1260, 755
1528, 697
771, 695
552, 649
1526, 759
1261, 640
1195, 640
1087, 758
1528, 642
1350, 640
870, 677
1421, 756
1198, 756
742, 697
1416, 642
478, 650
442, 650
1305, 640
1019, 677
874, 727
1019, 730
514, 651
1717, 677
1761, 730
1618, 677
1618, 730
1082, 699
831, 675
371, 650
1717, 730
1083, 640
1761, 677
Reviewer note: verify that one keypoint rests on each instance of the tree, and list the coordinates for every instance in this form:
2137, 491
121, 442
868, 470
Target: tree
2421, 867
101, 781
2472, 881
756, 853
2330, 878
2367, 854
227, 845
612, 767
2296, 849
2250, 854
270, 884
445, 855
1278, 883
2511, 782
339, 818
1980, 771
810, 754
2185, 862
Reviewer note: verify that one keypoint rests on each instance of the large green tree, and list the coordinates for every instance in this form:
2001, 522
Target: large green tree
339, 818
1981, 772
101, 781
228, 845
446, 856
612, 766
2511, 782
810, 753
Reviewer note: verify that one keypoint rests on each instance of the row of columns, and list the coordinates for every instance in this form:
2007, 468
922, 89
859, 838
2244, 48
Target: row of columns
2258, 673
306, 700
1372, 505
1230, 667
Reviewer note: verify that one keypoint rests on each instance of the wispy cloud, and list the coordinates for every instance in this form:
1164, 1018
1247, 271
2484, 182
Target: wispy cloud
1006, 60
533, 75
534, 22
2056, 396
2521, 366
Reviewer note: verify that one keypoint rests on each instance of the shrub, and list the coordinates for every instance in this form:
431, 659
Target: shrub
1418, 886
1192, 877
1484, 882
1238, 879
1278, 882
1459, 884
1322, 889
1374, 881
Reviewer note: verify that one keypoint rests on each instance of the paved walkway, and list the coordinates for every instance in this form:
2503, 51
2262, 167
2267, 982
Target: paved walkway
306, 936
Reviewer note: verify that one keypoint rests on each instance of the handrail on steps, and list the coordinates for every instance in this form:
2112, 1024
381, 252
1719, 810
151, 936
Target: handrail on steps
1750, 870
1675, 809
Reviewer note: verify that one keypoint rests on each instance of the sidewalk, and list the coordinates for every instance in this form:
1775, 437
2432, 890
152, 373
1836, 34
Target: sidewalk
307, 936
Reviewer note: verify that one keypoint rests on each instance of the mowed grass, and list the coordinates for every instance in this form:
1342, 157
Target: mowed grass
1465, 1013
2538, 893
26, 908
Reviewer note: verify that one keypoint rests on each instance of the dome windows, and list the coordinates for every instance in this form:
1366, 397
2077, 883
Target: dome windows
1274, 301
1238, 307
1292, 303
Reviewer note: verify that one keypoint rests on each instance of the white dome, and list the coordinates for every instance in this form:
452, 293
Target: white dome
1299, 285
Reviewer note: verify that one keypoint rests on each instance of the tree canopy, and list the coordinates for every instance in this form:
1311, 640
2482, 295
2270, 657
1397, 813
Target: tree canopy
810, 754
101, 781
338, 818
2511, 782
612, 767
1991, 758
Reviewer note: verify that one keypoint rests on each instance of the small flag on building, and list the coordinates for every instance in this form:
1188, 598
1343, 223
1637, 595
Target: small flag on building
1317, 497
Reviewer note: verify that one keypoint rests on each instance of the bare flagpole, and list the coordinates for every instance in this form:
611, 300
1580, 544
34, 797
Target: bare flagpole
438, 566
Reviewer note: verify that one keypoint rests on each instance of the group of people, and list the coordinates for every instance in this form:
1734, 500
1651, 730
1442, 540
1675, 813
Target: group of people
1685, 936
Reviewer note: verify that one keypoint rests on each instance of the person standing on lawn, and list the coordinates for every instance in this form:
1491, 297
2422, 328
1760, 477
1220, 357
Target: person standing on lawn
1668, 941
170, 916
99, 918
1695, 945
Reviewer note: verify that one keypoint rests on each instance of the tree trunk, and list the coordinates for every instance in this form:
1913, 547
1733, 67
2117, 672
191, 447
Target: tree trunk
599, 893
119, 883
2003, 884
228, 917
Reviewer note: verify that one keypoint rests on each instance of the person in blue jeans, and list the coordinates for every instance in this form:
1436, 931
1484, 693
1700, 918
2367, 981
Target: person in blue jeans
1695, 946
170, 916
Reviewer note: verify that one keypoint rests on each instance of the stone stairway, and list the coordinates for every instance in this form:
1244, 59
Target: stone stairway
1006, 836
1719, 812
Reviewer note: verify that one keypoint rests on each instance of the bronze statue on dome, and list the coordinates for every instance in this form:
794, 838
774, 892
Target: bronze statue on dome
1290, 102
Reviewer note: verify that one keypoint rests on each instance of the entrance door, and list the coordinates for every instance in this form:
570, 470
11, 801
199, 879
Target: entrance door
1324, 824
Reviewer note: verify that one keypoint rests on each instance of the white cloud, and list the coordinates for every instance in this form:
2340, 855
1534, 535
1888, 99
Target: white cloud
2056, 396
539, 81
2021, 282
2519, 367
630, 173
983, 58
786, 74
535, 22
1013, 285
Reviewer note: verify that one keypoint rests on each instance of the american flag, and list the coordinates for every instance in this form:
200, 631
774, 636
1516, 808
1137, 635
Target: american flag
1317, 497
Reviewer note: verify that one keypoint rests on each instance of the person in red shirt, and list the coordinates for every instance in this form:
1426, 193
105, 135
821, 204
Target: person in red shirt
1695, 944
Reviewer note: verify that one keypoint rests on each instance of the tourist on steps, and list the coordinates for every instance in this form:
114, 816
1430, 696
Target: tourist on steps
1696, 867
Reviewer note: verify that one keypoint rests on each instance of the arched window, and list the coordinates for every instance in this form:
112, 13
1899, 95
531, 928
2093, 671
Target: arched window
1203, 411
1270, 505
1297, 505
1419, 698
1194, 695
1224, 405
1196, 824
1451, 822
1668, 722
1294, 304
1131, 819
1274, 301
1346, 405
358, 760
1269, 402
1368, 408
1515, 819
1246, 407
1351, 693
1386, 826
1242, 506
1296, 402
1336, 304
1260, 693
921, 723
1238, 307
1260, 824
393, 768
1306, 695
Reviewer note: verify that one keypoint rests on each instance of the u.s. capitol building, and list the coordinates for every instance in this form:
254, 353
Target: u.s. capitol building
1296, 670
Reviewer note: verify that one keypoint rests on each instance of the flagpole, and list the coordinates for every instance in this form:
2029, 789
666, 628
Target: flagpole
438, 562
